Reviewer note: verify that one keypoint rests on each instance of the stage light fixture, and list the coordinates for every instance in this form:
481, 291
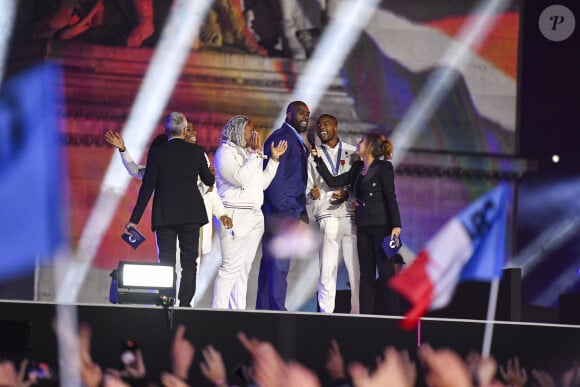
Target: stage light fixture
146, 275
145, 283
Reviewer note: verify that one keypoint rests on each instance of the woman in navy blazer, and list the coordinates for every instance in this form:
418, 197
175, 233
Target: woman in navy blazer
372, 185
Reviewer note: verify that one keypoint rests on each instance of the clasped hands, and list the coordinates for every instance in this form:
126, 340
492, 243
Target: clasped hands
275, 150
336, 194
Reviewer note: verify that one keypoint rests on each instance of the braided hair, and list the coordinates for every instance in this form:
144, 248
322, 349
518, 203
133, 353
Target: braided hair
233, 131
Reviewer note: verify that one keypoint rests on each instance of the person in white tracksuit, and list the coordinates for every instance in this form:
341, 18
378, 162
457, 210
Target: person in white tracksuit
213, 204
335, 216
241, 181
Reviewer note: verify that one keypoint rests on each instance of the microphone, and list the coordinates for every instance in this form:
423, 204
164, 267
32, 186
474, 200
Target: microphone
311, 139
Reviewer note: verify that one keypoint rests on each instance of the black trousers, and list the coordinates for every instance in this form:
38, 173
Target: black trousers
188, 236
372, 258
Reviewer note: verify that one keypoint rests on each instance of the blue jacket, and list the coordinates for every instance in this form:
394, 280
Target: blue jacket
286, 195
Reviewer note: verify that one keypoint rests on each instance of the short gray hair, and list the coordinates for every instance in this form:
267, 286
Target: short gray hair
233, 132
175, 123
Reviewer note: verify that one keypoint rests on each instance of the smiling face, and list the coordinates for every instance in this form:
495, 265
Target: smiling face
298, 115
191, 133
327, 129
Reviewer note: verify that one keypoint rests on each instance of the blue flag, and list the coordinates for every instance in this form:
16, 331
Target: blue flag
485, 221
32, 170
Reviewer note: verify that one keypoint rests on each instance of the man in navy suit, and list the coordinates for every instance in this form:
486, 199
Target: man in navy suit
284, 200
178, 209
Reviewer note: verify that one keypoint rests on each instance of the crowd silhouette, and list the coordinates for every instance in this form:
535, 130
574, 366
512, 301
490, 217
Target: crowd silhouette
437, 367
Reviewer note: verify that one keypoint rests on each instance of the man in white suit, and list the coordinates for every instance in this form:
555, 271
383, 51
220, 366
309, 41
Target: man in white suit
335, 216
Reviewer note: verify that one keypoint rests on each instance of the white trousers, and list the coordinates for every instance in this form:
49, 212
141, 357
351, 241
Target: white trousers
338, 234
239, 246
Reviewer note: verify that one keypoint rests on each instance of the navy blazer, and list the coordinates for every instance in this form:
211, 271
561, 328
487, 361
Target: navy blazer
286, 194
376, 198
172, 171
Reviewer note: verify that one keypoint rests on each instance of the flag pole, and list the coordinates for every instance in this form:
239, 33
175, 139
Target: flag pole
489, 320
419, 333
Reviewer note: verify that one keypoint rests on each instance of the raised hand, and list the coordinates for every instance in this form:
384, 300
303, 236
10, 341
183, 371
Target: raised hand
23, 379
271, 370
269, 367
112, 380
299, 376
182, 353
335, 362
91, 373
482, 369
255, 141
543, 378
213, 367
444, 368
513, 374
115, 140
571, 377
279, 149
8, 375
393, 369
170, 380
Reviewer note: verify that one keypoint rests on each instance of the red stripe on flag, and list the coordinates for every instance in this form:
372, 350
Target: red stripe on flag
415, 285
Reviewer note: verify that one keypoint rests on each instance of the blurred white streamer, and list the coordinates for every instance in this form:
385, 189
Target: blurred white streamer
294, 239
439, 84
305, 284
7, 17
561, 285
68, 345
554, 236
299, 241
330, 53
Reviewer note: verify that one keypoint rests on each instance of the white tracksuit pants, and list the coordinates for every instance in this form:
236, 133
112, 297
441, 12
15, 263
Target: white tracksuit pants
337, 233
239, 246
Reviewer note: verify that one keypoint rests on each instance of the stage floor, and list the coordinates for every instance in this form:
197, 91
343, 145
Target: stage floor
26, 328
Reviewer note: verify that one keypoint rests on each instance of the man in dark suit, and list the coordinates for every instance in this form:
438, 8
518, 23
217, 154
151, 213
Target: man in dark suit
284, 200
178, 210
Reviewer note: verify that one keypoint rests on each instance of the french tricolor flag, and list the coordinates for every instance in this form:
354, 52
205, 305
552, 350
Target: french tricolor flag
470, 246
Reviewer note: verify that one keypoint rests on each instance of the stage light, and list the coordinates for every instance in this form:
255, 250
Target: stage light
144, 283
145, 275
555, 159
